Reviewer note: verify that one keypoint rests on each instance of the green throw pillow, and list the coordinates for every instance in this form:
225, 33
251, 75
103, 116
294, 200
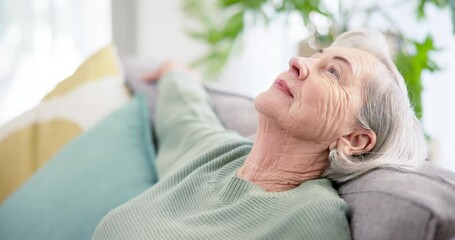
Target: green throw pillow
98, 171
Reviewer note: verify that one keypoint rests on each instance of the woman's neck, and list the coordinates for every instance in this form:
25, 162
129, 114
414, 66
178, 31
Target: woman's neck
280, 162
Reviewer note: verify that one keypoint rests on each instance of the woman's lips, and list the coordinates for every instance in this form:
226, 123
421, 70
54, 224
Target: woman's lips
281, 85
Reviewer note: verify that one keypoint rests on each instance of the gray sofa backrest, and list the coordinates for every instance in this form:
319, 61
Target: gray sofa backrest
390, 203
385, 203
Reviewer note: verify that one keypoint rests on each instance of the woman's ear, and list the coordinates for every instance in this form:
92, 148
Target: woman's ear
358, 142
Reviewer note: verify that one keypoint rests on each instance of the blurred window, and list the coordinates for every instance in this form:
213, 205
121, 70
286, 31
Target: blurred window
42, 42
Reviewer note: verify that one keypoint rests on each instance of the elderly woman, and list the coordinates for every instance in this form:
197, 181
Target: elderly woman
336, 115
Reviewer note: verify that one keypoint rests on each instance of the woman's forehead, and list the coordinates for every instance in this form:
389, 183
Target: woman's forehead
356, 55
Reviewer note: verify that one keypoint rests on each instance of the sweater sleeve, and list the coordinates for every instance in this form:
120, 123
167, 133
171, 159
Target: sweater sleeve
185, 121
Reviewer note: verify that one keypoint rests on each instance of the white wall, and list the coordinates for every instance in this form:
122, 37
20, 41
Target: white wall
161, 31
263, 54
439, 89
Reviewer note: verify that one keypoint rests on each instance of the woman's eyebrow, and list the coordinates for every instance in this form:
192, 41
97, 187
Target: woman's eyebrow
338, 58
343, 60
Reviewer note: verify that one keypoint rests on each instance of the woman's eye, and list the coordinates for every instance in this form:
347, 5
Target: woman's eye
334, 72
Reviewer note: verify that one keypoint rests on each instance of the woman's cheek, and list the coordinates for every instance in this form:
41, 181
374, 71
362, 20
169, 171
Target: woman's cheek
313, 109
315, 98
304, 116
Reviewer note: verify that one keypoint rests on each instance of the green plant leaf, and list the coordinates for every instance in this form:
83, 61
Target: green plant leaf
197, 10
306, 7
411, 66
421, 9
212, 63
407, 65
197, 35
252, 4
452, 11
234, 26
437, 3
423, 50
228, 3
282, 7
214, 36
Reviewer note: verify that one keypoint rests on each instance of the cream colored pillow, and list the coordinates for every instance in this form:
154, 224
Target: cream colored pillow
27, 142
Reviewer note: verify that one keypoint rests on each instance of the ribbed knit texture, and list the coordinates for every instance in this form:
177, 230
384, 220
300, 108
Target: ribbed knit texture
199, 195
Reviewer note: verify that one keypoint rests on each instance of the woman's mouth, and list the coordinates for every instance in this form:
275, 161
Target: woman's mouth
281, 85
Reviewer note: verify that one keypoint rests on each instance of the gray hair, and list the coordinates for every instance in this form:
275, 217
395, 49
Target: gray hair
386, 111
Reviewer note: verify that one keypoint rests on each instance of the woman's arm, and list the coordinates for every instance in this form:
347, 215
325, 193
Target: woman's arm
185, 121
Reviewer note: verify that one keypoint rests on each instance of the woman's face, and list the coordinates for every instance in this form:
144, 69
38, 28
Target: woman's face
317, 97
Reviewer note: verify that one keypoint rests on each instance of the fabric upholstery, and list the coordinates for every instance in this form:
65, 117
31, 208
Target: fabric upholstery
101, 169
402, 204
27, 142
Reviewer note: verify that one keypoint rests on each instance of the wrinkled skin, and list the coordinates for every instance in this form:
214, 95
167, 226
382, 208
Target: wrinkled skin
309, 109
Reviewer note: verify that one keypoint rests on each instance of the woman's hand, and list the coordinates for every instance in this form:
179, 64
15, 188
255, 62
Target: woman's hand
167, 66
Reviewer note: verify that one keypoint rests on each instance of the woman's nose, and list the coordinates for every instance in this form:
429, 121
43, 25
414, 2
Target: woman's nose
298, 67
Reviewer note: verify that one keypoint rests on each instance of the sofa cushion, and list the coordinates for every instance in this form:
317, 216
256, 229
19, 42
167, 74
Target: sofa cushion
28, 141
390, 203
96, 172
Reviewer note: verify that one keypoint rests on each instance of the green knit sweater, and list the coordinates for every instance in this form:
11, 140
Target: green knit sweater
199, 195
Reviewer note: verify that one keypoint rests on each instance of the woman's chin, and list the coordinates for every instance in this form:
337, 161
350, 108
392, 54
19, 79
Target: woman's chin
269, 103
262, 102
